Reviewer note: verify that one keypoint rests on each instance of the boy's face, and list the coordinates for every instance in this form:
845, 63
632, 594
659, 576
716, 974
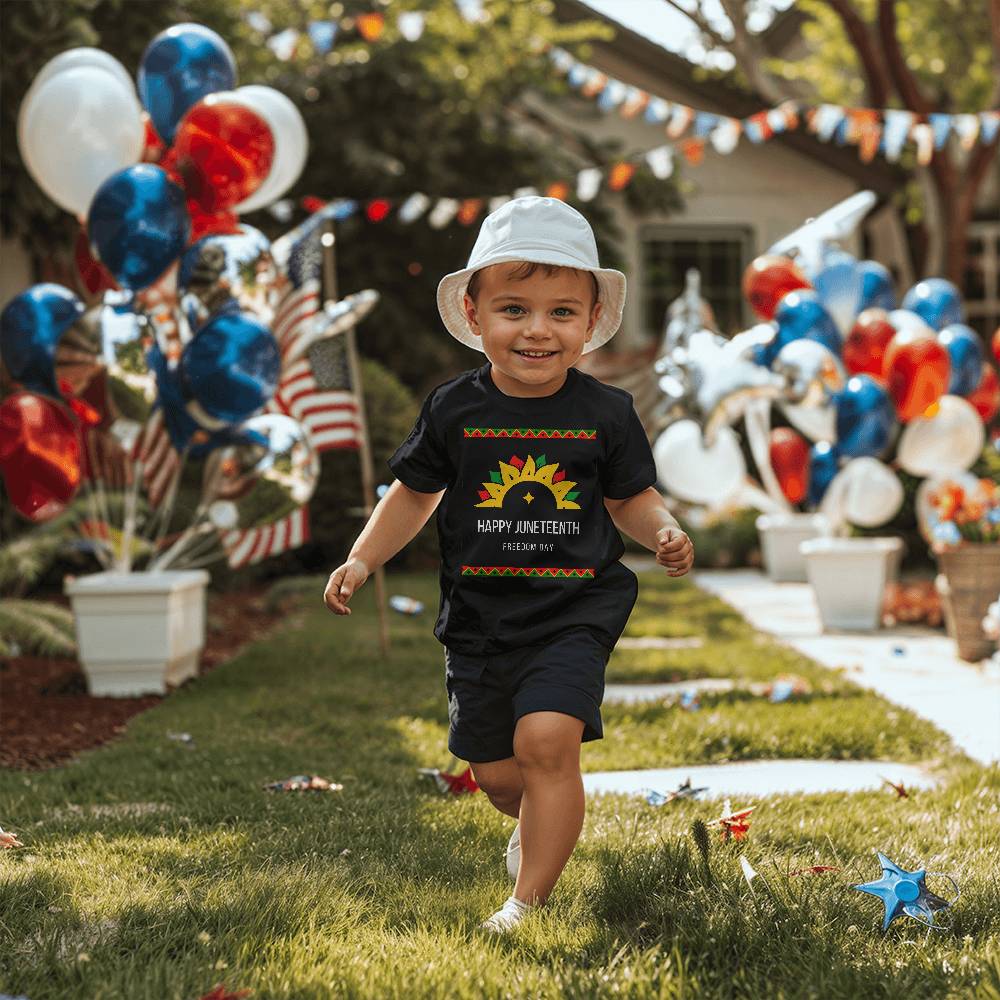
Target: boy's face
550, 313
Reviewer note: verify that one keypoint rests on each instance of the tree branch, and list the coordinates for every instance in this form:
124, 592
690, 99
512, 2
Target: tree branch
879, 83
749, 53
906, 83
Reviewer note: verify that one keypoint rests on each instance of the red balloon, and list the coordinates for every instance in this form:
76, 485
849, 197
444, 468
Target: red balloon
223, 151
986, 396
39, 455
996, 344
95, 276
864, 348
916, 370
790, 461
210, 223
768, 279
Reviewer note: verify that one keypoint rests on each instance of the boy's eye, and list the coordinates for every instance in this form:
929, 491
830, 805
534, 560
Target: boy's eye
511, 306
563, 311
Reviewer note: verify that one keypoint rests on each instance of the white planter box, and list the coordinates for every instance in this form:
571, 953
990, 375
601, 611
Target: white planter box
780, 536
848, 577
139, 632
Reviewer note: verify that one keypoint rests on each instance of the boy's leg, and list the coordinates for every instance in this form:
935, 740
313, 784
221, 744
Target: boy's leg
547, 753
501, 780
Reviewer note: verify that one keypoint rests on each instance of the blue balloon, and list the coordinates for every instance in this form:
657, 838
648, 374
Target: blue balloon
965, 350
231, 369
865, 418
936, 301
30, 327
877, 288
184, 431
179, 67
138, 224
801, 314
824, 461
838, 285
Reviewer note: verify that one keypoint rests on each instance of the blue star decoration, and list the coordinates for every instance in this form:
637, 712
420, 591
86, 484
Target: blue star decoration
904, 892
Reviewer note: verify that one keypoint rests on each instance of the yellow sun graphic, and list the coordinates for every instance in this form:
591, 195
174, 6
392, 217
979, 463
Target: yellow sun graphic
529, 470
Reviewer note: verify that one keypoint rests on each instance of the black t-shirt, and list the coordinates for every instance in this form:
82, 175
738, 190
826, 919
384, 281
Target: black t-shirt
528, 548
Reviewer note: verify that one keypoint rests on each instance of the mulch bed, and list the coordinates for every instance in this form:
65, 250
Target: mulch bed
47, 716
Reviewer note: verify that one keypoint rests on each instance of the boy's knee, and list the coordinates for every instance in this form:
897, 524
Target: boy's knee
537, 756
501, 785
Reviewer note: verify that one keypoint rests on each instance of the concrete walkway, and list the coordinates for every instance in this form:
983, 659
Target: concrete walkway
754, 778
912, 666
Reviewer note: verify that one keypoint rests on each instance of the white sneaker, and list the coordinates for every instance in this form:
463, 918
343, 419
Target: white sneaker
513, 853
508, 916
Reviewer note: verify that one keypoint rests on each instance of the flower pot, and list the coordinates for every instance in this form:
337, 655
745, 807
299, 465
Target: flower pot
848, 577
138, 632
780, 536
968, 583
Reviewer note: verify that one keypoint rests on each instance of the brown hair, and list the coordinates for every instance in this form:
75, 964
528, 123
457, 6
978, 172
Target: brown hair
525, 269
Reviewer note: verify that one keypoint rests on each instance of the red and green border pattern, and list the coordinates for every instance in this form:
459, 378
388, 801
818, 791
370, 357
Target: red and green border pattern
581, 434
550, 572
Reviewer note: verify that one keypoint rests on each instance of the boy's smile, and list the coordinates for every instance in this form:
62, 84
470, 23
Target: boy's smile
532, 328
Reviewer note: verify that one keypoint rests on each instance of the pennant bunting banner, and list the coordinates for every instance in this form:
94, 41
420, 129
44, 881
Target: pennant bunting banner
871, 130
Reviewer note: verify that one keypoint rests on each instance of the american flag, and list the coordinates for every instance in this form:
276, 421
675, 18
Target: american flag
244, 548
160, 461
326, 407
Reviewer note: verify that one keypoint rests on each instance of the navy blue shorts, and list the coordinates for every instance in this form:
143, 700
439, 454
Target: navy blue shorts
488, 694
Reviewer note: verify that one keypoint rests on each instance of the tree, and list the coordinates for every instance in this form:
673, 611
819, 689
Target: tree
920, 55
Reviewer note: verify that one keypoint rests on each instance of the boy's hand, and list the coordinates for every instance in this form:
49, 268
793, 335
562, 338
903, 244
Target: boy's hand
674, 550
344, 580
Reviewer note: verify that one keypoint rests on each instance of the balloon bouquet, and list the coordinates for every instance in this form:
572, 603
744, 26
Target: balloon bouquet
857, 378
193, 317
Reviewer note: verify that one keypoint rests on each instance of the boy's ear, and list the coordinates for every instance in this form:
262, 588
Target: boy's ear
470, 314
595, 315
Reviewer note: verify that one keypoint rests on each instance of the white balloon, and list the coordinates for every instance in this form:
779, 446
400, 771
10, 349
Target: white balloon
82, 56
291, 142
949, 441
70, 59
903, 319
689, 470
865, 492
79, 127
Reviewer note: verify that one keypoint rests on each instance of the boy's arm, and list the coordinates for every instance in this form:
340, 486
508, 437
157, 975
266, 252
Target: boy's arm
394, 523
645, 518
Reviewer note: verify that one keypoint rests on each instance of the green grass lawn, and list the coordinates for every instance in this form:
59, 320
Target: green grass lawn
153, 870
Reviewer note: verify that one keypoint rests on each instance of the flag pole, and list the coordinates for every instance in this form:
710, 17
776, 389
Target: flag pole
328, 241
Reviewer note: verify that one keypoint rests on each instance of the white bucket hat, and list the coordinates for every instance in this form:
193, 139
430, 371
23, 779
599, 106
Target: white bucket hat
544, 231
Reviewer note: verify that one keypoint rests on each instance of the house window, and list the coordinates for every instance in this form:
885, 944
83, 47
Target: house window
719, 254
982, 277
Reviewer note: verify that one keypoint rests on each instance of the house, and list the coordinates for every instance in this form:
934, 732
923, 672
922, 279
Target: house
739, 204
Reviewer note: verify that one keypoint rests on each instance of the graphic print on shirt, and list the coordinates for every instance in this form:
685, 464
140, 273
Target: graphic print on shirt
528, 487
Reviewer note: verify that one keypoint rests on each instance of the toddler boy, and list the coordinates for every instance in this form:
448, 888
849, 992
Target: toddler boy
532, 466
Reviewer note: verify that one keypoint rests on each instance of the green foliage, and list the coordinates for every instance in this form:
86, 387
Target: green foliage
946, 45
36, 628
725, 540
24, 560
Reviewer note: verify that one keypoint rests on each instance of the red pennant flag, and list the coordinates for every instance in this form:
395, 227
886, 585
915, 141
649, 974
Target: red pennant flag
559, 190
377, 209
